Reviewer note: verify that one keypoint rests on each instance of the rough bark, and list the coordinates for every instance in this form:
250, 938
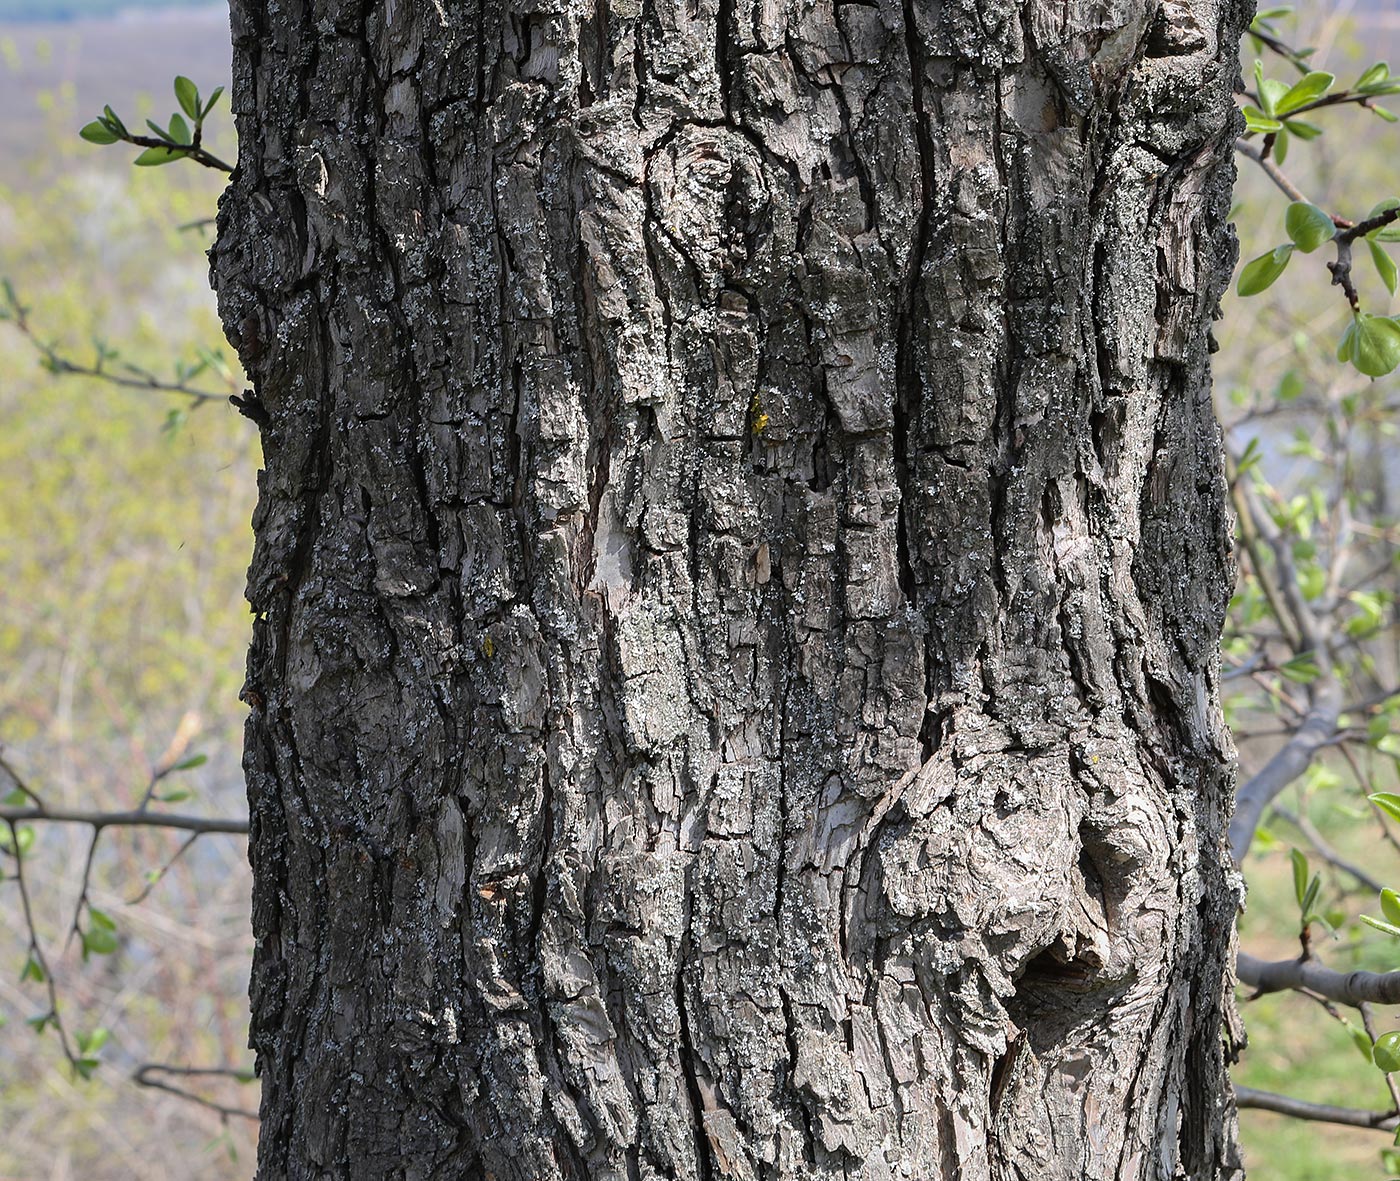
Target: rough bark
738, 572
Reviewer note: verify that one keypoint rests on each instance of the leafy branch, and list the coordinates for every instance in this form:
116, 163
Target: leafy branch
181, 139
108, 364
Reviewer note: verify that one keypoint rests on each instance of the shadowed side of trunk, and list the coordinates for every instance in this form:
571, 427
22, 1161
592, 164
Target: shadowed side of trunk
738, 572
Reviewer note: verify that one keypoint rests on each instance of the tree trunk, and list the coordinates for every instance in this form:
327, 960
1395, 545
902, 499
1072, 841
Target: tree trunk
738, 572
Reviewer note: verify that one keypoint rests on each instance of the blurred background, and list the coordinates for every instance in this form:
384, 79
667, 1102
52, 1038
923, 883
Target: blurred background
124, 538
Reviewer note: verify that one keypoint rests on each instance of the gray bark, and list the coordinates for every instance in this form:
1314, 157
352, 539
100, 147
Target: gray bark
738, 572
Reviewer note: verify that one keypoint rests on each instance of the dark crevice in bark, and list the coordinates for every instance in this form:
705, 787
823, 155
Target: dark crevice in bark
799, 1099
689, 1057
909, 392
724, 56
646, 14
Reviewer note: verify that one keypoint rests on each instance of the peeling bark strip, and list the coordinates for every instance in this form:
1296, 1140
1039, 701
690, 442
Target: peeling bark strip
738, 572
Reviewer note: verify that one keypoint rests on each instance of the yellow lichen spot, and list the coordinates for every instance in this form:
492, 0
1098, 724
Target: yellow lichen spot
488, 647
757, 418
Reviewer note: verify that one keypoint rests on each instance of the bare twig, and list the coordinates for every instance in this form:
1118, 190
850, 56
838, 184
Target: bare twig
1271, 170
138, 819
145, 1076
1352, 1117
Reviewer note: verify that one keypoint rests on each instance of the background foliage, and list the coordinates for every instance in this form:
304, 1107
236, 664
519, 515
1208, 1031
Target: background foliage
123, 545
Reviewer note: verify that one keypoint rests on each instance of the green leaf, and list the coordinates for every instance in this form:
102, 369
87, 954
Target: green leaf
99, 941
1302, 669
97, 132
153, 157
1388, 802
192, 761
1386, 1052
1300, 874
1308, 226
1309, 88
209, 106
91, 1043
1255, 120
1388, 928
1390, 904
179, 130
1346, 347
175, 796
1388, 116
1376, 349
1361, 1041
85, 1066
1309, 902
33, 970
1385, 266
1281, 146
1389, 232
188, 95
1377, 73
114, 122
1304, 131
19, 798
101, 919
1259, 274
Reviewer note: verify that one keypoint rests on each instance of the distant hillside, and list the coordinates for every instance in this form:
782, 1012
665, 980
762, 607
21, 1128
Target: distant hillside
66, 10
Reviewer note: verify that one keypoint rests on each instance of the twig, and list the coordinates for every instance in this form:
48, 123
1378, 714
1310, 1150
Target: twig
133, 379
143, 1077
155, 879
1352, 1117
36, 952
101, 820
1327, 852
1271, 170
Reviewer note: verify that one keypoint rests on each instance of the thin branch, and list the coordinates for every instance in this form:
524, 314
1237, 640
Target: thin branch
100, 820
134, 378
1327, 852
159, 876
143, 1076
19, 782
75, 927
1291, 760
1350, 988
193, 151
1271, 170
36, 952
1352, 1117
